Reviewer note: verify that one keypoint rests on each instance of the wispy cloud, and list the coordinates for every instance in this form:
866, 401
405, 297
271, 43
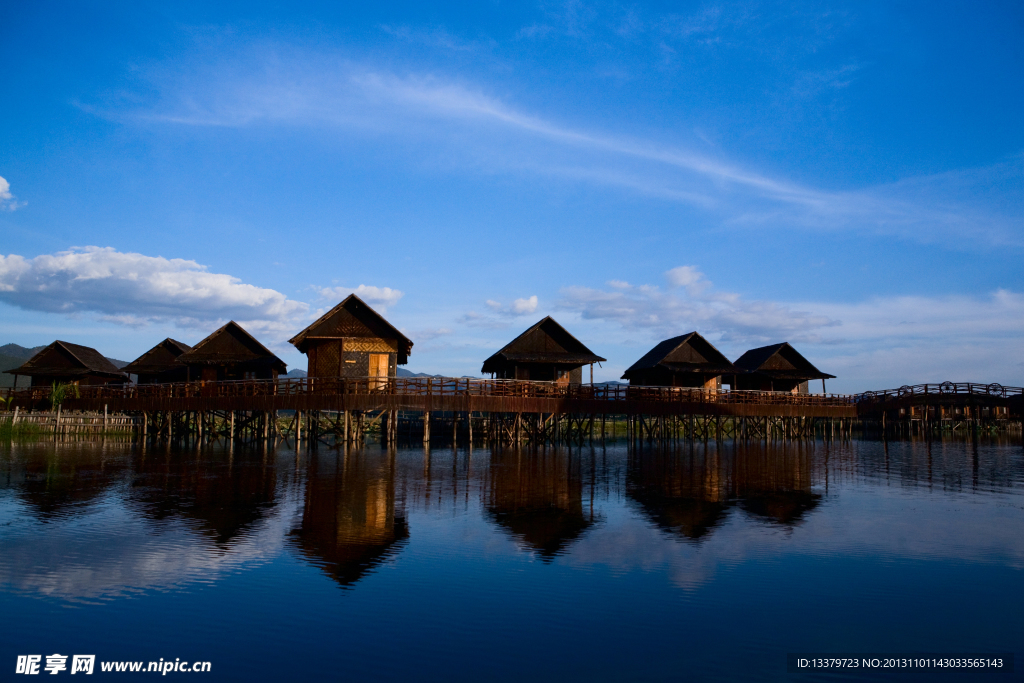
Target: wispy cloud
297, 88
133, 289
873, 343
522, 306
692, 303
380, 298
8, 202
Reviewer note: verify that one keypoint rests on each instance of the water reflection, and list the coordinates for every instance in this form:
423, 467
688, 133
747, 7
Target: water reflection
537, 495
689, 491
57, 481
350, 523
86, 520
222, 494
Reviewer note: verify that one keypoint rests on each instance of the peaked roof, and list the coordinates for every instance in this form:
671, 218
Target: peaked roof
160, 358
780, 360
544, 342
230, 344
331, 326
78, 360
685, 353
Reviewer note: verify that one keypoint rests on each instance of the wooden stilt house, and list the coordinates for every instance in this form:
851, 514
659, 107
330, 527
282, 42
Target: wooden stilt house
545, 352
689, 360
778, 367
353, 340
63, 362
160, 364
231, 353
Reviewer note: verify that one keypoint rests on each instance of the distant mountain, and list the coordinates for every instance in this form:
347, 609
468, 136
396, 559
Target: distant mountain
297, 373
19, 351
402, 372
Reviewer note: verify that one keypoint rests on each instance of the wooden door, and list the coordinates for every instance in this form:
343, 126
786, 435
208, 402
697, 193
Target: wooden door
378, 370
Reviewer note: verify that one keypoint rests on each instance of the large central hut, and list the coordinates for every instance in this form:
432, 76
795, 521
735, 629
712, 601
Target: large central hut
65, 363
689, 360
778, 367
545, 352
231, 353
353, 340
160, 364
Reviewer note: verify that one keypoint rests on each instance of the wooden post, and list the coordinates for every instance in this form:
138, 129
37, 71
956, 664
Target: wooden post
14, 420
231, 427
56, 423
345, 428
298, 427
426, 426
105, 417
469, 416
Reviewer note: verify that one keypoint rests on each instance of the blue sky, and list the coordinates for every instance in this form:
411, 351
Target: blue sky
848, 177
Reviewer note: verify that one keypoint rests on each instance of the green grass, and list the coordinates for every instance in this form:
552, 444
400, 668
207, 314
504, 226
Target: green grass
22, 430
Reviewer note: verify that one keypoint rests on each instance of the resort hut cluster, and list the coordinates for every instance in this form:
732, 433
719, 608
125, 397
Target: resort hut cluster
353, 340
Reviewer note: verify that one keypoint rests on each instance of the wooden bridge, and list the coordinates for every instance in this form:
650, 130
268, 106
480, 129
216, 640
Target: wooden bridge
518, 410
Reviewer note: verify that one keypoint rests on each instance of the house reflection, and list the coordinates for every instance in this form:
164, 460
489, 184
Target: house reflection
350, 522
537, 496
773, 481
57, 481
223, 494
688, 492
683, 493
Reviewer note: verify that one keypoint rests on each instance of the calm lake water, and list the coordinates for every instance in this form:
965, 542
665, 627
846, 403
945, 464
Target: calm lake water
596, 564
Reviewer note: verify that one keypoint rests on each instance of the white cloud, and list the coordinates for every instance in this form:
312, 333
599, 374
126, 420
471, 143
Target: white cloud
668, 313
872, 344
518, 307
7, 200
134, 289
380, 298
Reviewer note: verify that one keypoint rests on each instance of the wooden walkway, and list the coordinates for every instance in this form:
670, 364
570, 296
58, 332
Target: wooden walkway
444, 395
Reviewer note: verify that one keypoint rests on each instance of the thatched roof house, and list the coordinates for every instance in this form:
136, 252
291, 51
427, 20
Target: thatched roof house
353, 340
160, 364
778, 367
231, 353
545, 352
689, 360
63, 362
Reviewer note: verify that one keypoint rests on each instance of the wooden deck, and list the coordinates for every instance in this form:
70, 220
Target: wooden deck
443, 394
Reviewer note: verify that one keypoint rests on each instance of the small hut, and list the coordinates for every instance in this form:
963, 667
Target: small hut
778, 367
689, 360
353, 340
160, 364
543, 353
231, 353
62, 362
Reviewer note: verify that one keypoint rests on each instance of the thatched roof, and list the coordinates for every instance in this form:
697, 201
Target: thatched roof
160, 358
544, 342
64, 359
780, 361
353, 318
685, 353
230, 345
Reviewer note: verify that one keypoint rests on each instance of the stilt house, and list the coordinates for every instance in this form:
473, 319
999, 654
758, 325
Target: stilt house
231, 353
778, 367
689, 360
64, 362
544, 353
353, 340
160, 364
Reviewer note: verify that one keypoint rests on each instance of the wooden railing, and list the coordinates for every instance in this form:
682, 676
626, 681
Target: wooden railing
942, 389
434, 386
